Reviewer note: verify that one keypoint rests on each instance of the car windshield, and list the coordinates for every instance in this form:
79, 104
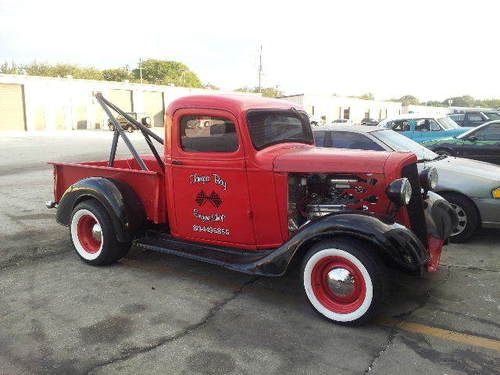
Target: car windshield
447, 123
399, 142
493, 115
270, 127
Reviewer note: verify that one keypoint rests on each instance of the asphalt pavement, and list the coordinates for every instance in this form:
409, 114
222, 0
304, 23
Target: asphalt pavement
155, 313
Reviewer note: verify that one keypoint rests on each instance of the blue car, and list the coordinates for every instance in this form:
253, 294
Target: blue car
423, 128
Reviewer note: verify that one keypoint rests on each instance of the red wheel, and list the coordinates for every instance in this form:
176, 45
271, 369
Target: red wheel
342, 280
338, 284
86, 234
93, 236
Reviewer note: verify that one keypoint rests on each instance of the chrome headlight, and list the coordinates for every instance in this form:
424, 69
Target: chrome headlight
429, 178
399, 191
146, 121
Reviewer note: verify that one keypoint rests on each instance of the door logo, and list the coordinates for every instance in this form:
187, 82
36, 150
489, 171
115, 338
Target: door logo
213, 198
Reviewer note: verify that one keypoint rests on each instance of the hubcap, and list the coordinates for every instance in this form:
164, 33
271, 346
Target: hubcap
97, 232
341, 282
338, 284
462, 219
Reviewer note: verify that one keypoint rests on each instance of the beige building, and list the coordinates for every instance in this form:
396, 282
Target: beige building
42, 103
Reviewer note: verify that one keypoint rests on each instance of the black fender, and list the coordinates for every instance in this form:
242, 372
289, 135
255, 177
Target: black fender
440, 217
120, 201
396, 244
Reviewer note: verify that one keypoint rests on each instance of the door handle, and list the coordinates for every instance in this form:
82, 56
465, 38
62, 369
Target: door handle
177, 162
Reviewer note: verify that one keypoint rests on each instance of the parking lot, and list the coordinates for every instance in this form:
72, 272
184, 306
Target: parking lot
154, 313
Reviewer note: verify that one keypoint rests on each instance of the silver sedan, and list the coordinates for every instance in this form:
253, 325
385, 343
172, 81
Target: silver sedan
472, 187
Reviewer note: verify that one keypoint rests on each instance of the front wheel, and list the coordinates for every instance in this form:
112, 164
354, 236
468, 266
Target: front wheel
343, 280
468, 217
92, 234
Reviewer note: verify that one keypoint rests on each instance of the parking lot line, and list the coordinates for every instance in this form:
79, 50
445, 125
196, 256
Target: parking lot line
443, 334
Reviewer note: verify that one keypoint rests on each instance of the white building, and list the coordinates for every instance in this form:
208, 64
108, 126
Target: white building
43, 103
327, 108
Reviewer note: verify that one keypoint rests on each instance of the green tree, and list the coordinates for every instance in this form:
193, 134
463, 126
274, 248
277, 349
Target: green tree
62, 70
270, 92
409, 100
116, 74
163, 72
7, 68
461, 101
366, 96
210, 86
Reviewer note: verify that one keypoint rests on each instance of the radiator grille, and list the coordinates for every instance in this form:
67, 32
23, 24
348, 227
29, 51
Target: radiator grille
416, 206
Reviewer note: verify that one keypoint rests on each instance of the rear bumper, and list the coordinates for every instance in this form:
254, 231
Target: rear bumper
489, 211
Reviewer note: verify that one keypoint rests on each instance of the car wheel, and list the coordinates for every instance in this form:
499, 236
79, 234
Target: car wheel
92, 234
468, 217
441, 151
343, 280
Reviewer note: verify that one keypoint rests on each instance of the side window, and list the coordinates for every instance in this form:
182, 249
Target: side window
401, 126
319, 138
434, 126
489, 133
354, 141
423, 125
475, 117
208, 134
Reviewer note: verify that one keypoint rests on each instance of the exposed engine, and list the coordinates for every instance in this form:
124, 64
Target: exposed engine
318, 194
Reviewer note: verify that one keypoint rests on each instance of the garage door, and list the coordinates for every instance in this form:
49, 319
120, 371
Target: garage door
11, 107
153, 106
122, 98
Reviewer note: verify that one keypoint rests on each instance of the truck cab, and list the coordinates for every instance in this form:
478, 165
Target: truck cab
241, 185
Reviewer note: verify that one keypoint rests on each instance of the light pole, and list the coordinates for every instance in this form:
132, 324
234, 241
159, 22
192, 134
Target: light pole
140, 69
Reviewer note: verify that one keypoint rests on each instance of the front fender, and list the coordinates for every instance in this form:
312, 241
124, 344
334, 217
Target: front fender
119, 199
397, 244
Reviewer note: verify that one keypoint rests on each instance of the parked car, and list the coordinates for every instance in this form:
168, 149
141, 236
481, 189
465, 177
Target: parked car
342, 121
474, 118
144, 118
423, 128
251, 193
369, 122
481, 143
472, 187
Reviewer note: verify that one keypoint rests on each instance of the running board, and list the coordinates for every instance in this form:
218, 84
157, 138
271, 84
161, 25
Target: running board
253, 262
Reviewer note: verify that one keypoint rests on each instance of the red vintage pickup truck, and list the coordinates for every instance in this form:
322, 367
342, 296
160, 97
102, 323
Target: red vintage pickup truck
241, 185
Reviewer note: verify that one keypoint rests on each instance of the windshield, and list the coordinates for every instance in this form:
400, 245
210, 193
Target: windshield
399, 142
447, 123
270, 127
492, 115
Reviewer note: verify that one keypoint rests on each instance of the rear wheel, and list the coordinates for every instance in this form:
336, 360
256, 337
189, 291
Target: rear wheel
92, 234
343, 280
468, 217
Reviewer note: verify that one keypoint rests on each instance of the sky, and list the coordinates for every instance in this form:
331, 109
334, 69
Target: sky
430, 49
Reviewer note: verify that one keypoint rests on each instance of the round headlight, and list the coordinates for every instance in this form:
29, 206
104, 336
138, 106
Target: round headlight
399, 191
429, 178
406, 191
146, 121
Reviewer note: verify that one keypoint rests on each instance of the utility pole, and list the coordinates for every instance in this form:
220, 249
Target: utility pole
140, 69
260, 67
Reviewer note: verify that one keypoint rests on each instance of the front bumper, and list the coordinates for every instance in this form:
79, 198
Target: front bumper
440, 219
489, 211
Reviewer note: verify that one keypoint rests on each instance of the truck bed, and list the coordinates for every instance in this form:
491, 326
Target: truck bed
148, 185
